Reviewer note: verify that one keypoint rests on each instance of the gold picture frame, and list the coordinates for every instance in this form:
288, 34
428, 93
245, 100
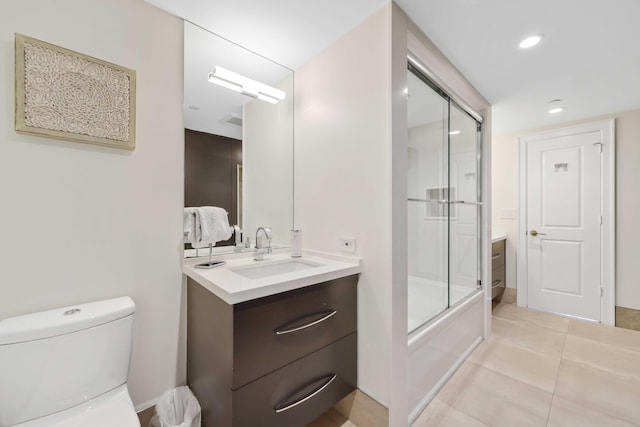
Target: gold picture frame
66, 95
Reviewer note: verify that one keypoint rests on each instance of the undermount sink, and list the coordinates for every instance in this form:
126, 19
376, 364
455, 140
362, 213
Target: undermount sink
265, 269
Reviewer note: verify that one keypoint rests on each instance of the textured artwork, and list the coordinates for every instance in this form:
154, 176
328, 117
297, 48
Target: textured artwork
66, 95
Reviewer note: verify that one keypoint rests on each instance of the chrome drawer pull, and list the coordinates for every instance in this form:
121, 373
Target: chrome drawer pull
287, 330
496, 283
285, 407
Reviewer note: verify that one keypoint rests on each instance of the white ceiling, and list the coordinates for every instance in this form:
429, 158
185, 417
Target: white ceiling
589, 56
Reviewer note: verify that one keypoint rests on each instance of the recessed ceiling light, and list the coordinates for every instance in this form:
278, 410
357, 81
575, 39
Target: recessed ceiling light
454, 132
555, 106
530, 41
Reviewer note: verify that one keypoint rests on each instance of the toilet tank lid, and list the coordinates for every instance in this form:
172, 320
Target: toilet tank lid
51, 323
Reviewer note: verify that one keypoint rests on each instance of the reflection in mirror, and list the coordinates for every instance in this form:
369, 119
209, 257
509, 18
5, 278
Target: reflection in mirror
238, 137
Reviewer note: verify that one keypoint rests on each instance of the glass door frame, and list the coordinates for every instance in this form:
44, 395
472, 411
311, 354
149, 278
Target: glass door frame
414, 66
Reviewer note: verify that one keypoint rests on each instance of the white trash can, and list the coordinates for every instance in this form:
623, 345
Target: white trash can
177, 408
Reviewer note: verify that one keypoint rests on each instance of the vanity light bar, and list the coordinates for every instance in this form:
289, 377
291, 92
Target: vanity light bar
244, 85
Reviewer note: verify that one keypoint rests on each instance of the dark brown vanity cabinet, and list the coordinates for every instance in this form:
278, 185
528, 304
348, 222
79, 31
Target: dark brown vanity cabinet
498, 282
280, 360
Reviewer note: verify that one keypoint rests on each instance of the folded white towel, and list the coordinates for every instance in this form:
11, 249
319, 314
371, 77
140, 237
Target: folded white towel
188, 223
211, 225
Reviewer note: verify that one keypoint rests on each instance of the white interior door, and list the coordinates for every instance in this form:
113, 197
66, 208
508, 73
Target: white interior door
563, 222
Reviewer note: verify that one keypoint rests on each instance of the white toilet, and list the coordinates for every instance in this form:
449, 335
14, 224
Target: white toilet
68, 367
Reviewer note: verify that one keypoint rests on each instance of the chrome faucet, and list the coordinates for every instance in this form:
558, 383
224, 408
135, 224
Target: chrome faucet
260, 248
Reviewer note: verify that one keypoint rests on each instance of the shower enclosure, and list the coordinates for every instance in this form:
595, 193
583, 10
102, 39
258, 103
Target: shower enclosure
446, 302
443, 201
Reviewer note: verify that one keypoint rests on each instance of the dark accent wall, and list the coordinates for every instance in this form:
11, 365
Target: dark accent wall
210, 178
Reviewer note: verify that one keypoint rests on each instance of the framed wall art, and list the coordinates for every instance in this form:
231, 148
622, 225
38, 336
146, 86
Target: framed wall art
67, 95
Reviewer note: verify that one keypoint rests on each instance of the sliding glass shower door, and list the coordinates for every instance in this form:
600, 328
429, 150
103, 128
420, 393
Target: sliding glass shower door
443, 201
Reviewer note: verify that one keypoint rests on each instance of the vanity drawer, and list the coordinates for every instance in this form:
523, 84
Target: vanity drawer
497, 254
497, 281
273, 331
299, 392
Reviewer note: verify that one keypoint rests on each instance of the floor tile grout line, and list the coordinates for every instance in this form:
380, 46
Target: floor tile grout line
533, 324
462, 411
476, 365
502, 374
506, 341
530, 323
634, 349
528, 350
555, 385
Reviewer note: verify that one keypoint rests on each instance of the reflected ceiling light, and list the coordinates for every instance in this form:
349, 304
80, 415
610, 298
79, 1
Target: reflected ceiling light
555, 106
244, 85
454, 132
530, 41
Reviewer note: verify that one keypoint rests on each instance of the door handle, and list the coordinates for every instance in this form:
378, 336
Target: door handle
535, 233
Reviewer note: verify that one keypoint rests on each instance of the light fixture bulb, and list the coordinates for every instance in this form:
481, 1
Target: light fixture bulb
244, 85
224, 83
556, 110
530, 41
454, 132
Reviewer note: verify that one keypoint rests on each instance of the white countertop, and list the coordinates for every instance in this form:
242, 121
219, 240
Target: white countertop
498, 237
234, 288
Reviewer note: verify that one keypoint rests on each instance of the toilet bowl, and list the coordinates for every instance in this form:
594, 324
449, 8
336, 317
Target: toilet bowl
68, 367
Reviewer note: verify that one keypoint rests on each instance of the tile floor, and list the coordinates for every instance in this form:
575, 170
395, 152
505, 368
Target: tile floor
538, 369
331, 418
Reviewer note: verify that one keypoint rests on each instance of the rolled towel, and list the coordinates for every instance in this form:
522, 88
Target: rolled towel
211, 226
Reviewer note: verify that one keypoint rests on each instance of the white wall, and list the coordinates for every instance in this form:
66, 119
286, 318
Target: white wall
505, 197
342, 176
81, 222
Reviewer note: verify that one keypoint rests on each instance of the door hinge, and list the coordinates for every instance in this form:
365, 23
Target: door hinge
600, 219
479, 284
599, 145
601, 291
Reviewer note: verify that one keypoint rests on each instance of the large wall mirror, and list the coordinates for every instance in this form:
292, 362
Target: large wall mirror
238, 115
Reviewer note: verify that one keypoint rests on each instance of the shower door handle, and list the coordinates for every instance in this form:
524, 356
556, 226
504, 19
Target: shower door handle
462, 202
440, 202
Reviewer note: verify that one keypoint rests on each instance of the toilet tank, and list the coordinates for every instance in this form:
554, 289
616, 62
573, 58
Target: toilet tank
56, 359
